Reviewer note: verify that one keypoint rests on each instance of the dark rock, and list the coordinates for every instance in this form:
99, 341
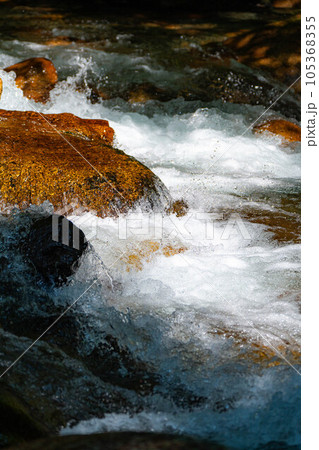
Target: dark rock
121, 441
113, 363
258, 47
143, 92
16, 421
55, 246
53, 387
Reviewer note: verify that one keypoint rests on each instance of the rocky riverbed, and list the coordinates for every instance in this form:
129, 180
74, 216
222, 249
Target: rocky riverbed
150, 225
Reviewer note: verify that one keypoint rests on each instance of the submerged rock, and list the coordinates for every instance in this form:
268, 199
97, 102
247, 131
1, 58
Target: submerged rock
55, 246
58, 41
141, 93
282, 220
283, 128
36, 77
258, 48
146, 251
121, 441
68, 160
219, 83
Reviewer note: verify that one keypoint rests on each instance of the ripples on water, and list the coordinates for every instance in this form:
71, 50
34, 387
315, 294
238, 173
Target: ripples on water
209, 321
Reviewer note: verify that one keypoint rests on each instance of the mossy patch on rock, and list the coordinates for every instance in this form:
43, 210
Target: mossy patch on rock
36, 77
67, 160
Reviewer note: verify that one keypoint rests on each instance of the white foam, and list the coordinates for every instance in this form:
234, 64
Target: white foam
203, 156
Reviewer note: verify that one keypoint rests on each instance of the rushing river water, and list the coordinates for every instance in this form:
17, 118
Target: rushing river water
217, 321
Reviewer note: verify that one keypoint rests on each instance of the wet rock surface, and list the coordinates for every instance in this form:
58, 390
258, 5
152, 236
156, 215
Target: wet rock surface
36, 77
228, 56
55, 246
75, 355
121, 441
259, 48
68, 160
44, 380
289, 131
31, 306
282, 220
221, 84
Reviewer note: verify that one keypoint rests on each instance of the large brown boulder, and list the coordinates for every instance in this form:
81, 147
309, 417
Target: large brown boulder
67, 160
36, 77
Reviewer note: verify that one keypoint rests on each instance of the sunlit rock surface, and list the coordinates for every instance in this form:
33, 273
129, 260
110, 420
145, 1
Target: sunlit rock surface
55, 246
289, 131
65, 159
36, 77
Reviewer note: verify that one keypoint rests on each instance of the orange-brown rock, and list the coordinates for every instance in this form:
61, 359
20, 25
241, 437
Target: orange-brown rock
282, 220
179, 208
146, 91
259, 352
58, 41
286, 4
146, 251
68, 160
283, 128
115, 440
36, 77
